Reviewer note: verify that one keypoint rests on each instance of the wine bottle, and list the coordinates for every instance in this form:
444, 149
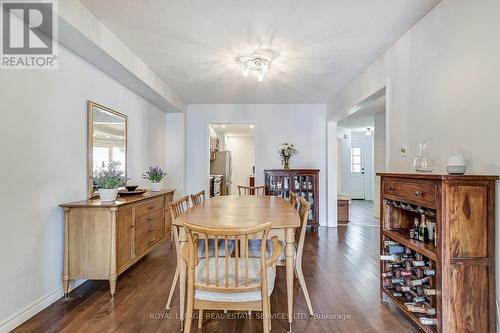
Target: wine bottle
419, 299
418, 263
397, 280
414, 230
405, 288
429, 272
428, 321
430, 291
421, 230
419, 282
390, 257
397, 294
394, 265
388, 274
406, 273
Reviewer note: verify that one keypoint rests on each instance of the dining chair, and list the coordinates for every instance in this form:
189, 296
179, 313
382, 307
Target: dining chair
176, 208
251, 190
293, 198
198, 198
239, 283
254, 246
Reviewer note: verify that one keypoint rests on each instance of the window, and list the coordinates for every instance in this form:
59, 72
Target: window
355, 159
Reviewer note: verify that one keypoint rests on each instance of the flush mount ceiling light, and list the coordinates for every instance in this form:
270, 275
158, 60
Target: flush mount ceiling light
368, 131
259, 61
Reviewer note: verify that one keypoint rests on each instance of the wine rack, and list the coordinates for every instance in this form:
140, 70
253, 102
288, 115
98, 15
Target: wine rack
437, 250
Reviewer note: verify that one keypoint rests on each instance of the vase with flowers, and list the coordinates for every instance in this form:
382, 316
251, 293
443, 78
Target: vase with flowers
154, 175
285, 151
108, 181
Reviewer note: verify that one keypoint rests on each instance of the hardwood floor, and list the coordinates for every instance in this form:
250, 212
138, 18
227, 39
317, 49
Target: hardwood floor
361, 213
340, 268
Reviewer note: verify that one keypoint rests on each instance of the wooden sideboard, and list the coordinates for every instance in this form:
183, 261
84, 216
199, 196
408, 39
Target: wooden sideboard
461, 256
102, 240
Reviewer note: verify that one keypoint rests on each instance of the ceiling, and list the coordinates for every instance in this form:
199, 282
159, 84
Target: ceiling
323, 44
364, 117
234, 129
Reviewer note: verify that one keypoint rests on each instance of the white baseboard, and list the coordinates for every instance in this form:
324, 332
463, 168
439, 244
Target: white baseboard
16, 319
29, 311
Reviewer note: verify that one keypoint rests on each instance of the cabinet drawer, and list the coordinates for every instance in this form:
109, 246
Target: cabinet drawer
417, 193
148, 219
146, 237
147, 207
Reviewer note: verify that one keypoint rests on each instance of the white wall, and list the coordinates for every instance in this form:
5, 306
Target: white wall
43, 135
242, 150
301, 124
344, 135
378, 158
442, 81
175, 164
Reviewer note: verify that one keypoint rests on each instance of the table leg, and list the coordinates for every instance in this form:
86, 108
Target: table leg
289, 253
182, 289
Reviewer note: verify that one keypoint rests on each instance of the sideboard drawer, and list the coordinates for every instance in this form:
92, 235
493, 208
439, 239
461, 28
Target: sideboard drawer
418, 193
148, 206
149, 218
148, 236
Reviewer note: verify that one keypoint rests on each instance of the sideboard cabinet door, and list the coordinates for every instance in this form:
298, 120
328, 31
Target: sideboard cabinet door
124, 237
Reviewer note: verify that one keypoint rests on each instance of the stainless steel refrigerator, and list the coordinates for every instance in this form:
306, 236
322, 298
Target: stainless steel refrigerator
223, 165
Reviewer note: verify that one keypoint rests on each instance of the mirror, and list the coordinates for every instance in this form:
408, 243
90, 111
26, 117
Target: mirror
107, 141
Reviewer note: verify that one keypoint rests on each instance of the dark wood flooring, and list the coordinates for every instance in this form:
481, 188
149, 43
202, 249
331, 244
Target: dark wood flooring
340, 267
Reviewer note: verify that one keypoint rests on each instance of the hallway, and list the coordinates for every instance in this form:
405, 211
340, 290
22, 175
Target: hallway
361, 214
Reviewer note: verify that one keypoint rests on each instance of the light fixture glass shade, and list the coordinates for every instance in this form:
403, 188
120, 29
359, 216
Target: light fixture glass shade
245, 72
368, 131
265, 68
260, 77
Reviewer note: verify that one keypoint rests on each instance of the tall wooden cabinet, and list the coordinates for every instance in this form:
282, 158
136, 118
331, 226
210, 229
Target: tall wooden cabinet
304, 182
102, 240
458, 264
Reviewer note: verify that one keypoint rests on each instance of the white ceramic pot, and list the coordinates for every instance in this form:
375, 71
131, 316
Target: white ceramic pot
155, 187
108, 194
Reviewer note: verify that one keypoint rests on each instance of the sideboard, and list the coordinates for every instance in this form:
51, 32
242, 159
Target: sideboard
102, 240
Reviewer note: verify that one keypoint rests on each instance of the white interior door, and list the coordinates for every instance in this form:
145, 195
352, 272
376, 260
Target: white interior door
358, 171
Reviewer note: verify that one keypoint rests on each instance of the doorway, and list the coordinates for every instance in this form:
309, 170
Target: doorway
357, 173
231, 157
361, 151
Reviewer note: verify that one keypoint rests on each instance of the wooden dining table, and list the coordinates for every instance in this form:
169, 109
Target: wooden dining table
244, 211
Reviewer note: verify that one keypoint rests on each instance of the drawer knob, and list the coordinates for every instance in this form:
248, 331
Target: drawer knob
419, 193
390, 188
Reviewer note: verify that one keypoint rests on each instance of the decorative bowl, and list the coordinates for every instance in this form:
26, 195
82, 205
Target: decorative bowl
131, 188
455, 169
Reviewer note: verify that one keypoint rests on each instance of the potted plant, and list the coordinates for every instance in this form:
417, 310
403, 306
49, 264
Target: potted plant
108, 181
154, 175
285, 151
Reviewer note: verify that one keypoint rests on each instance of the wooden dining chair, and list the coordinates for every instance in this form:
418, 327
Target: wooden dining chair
251, 190
176, 209
293, 198
300, 237
198, 198
238, 283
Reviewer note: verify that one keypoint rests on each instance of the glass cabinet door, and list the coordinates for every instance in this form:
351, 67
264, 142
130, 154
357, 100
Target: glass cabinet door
279, 185
303, 185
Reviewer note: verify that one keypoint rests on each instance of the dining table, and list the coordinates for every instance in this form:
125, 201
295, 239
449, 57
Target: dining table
243, 211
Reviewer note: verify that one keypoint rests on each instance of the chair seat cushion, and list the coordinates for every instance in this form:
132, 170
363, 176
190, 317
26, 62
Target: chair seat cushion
211, 247
253, 278
254, 249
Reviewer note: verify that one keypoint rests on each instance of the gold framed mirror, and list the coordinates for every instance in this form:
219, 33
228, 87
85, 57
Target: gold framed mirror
106, 141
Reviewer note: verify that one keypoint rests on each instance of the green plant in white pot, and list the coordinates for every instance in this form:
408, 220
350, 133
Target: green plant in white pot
154, 175
108, 181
